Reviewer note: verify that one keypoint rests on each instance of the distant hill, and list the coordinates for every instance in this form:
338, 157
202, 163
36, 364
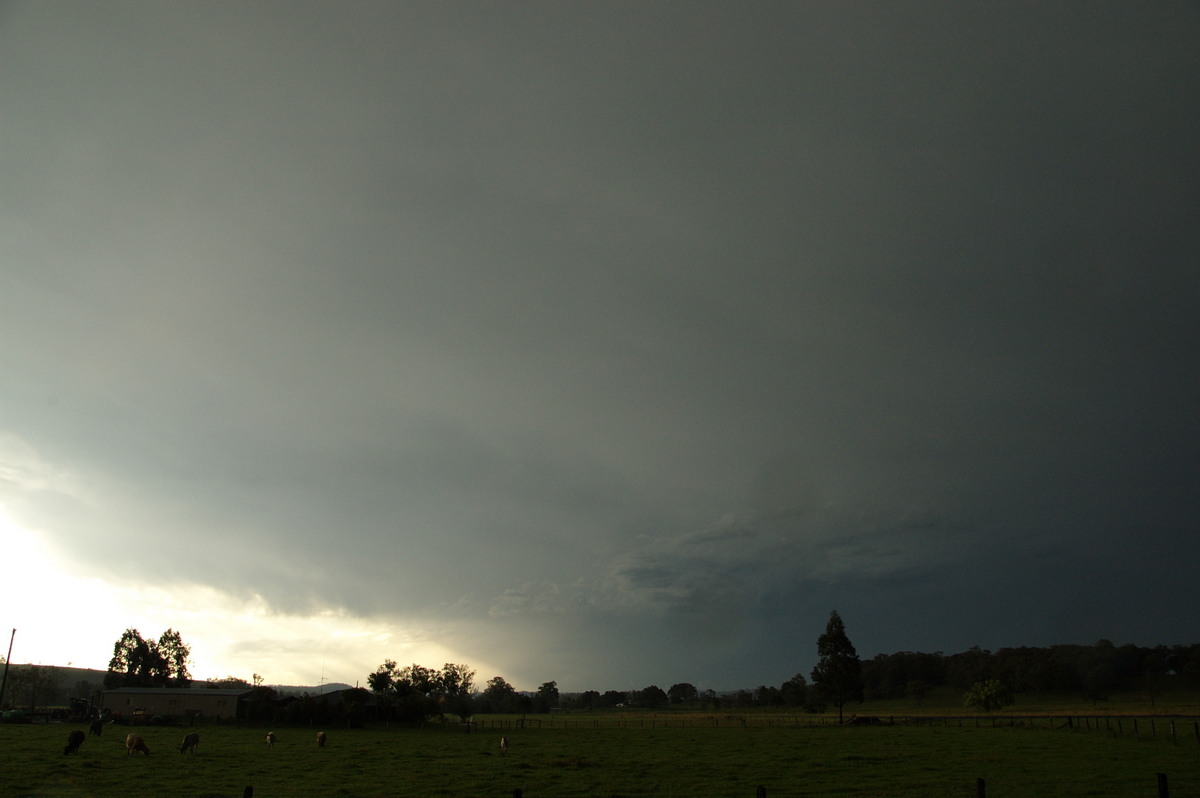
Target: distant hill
67, 679
314, 690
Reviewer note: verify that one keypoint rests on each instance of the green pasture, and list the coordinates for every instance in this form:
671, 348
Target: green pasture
605, 760
948, 700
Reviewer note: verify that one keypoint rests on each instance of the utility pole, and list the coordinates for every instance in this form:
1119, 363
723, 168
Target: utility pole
7, 662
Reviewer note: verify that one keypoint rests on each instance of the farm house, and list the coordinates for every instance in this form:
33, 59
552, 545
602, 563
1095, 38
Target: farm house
210, 703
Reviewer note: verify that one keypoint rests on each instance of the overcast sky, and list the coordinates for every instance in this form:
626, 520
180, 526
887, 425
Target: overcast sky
613, 343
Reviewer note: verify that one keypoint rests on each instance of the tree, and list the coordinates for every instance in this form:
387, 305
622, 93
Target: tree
651, 697
588, 699
382, 679
612, 698
405, 693
683, 693
498, 696
128, 653
261, 705
456, 680
137, 662
988, 696
916, 689
1098, 681
416, 693
973, 665
766, 696
838, 674
456, 683
134, 662
795, 691
173, 655
547, 696
35, 684
1154, 672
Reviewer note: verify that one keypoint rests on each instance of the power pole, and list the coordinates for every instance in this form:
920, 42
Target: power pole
7, 662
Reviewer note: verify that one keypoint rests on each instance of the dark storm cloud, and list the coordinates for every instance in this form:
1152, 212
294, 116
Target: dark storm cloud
649, 330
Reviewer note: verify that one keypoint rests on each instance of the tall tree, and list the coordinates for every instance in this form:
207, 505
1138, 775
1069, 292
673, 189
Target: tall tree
547, 696
682, 693
613, 698
838, 674
415, 692
36, 684
133, 662
404, 693
499, 696
651, 697
137, 662
173, 653
457, 682
795, 691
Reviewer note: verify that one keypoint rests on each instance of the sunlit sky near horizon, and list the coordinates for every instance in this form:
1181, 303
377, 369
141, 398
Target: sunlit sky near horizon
608, 343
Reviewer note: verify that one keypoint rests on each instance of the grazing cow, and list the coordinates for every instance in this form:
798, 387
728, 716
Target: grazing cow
270, 739
135, 743
96, 727
74, 740
320, 739
503, 745
190, 742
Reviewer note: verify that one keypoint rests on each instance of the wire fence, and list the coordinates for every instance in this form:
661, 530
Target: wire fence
1173, 727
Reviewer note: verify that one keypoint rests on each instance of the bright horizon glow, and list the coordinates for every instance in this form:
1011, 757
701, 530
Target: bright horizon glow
74, 620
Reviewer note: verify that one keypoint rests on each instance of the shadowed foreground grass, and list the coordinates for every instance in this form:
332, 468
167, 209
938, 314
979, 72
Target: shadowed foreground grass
630, 762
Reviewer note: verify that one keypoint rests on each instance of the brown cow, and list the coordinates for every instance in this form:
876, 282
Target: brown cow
134, 743
190, 742
320, 739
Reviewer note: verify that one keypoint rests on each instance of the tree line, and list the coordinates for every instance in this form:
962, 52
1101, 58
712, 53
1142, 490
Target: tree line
1093, 672
416, 692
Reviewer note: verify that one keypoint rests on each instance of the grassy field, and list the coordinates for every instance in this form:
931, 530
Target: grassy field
950, 701
632, 761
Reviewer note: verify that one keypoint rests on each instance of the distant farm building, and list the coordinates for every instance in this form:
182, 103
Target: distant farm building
147, 702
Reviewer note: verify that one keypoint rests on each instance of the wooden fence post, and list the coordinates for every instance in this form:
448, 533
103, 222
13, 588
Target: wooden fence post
761, 792
980, 788
1162, 785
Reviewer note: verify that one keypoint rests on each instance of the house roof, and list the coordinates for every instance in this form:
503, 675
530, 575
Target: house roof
182, 691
